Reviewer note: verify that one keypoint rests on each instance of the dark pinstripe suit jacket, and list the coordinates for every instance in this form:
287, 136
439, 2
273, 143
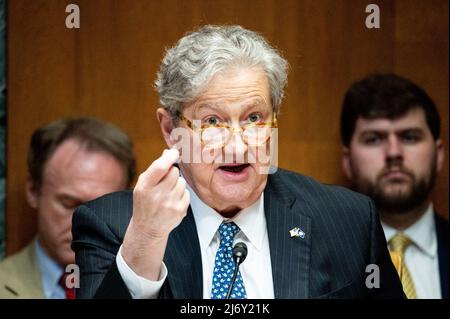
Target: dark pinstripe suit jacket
442, 239
343, 236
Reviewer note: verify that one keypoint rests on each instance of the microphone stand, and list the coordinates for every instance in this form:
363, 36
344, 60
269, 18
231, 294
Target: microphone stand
239, 254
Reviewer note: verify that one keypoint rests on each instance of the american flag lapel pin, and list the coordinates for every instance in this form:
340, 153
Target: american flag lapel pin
297, 232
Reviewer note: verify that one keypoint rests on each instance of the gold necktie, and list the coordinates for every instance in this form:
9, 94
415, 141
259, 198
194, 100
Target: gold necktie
399, 243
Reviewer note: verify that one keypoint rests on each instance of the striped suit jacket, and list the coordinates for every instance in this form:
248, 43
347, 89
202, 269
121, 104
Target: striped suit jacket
343, 237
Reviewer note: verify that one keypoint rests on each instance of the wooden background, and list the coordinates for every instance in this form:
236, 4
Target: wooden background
107, 68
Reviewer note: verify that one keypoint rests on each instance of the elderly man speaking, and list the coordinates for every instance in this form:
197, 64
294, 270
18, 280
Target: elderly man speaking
220, 225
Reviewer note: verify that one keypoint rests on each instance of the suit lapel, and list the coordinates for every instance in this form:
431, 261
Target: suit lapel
442, 239
26, 281
290, 256
183, 260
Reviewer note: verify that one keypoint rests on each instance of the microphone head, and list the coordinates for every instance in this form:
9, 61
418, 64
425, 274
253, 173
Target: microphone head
239, 252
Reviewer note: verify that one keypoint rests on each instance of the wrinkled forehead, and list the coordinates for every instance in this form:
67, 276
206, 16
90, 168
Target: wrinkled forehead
234, 90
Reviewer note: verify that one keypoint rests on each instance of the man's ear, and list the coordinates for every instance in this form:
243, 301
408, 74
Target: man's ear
31, 193
345, 162
166, 125
440, 154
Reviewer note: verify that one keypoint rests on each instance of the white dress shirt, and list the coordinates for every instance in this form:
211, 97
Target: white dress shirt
51, 273
256, 270
421, 256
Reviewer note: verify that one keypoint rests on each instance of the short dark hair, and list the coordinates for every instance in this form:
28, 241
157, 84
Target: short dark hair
385, 96
94, 134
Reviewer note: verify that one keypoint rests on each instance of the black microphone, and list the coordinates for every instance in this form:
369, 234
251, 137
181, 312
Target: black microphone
239, 255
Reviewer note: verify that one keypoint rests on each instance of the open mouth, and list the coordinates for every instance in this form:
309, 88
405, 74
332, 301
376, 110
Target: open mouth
234, 168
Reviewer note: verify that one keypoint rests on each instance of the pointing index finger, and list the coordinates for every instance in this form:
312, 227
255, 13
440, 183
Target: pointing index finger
160, 167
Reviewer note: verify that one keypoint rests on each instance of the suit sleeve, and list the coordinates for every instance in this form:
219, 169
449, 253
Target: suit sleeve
95, 247
390, 286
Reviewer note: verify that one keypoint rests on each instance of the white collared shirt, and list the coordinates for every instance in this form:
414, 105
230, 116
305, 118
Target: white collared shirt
256, 270
421, 256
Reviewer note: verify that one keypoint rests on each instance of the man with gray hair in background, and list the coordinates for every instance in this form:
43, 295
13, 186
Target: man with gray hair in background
186, 227
70, 161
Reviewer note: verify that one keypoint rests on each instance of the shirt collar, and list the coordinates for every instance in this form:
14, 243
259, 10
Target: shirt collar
422, 232
50, 270
250, 220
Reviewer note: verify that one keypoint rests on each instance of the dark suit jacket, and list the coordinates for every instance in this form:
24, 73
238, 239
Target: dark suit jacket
343, 236
442, 240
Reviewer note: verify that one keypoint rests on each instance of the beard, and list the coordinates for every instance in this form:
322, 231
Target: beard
397, 197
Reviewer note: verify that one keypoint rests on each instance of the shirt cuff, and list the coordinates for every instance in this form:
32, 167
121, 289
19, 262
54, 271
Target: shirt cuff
140, 287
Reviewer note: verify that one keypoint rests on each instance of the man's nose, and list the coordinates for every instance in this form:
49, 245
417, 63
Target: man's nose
394, 149
237, 147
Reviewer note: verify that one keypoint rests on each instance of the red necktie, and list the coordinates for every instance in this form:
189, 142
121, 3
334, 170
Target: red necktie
70, 292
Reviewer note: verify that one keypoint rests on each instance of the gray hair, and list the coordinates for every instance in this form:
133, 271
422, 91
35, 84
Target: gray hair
188, 67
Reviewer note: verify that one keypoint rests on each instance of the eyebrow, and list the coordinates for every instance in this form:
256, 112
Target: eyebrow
400, 131
245, 106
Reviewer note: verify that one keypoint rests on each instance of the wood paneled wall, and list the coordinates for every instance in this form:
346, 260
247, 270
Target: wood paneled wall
107, 68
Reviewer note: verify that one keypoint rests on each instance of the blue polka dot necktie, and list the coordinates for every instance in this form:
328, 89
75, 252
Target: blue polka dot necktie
224, 266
